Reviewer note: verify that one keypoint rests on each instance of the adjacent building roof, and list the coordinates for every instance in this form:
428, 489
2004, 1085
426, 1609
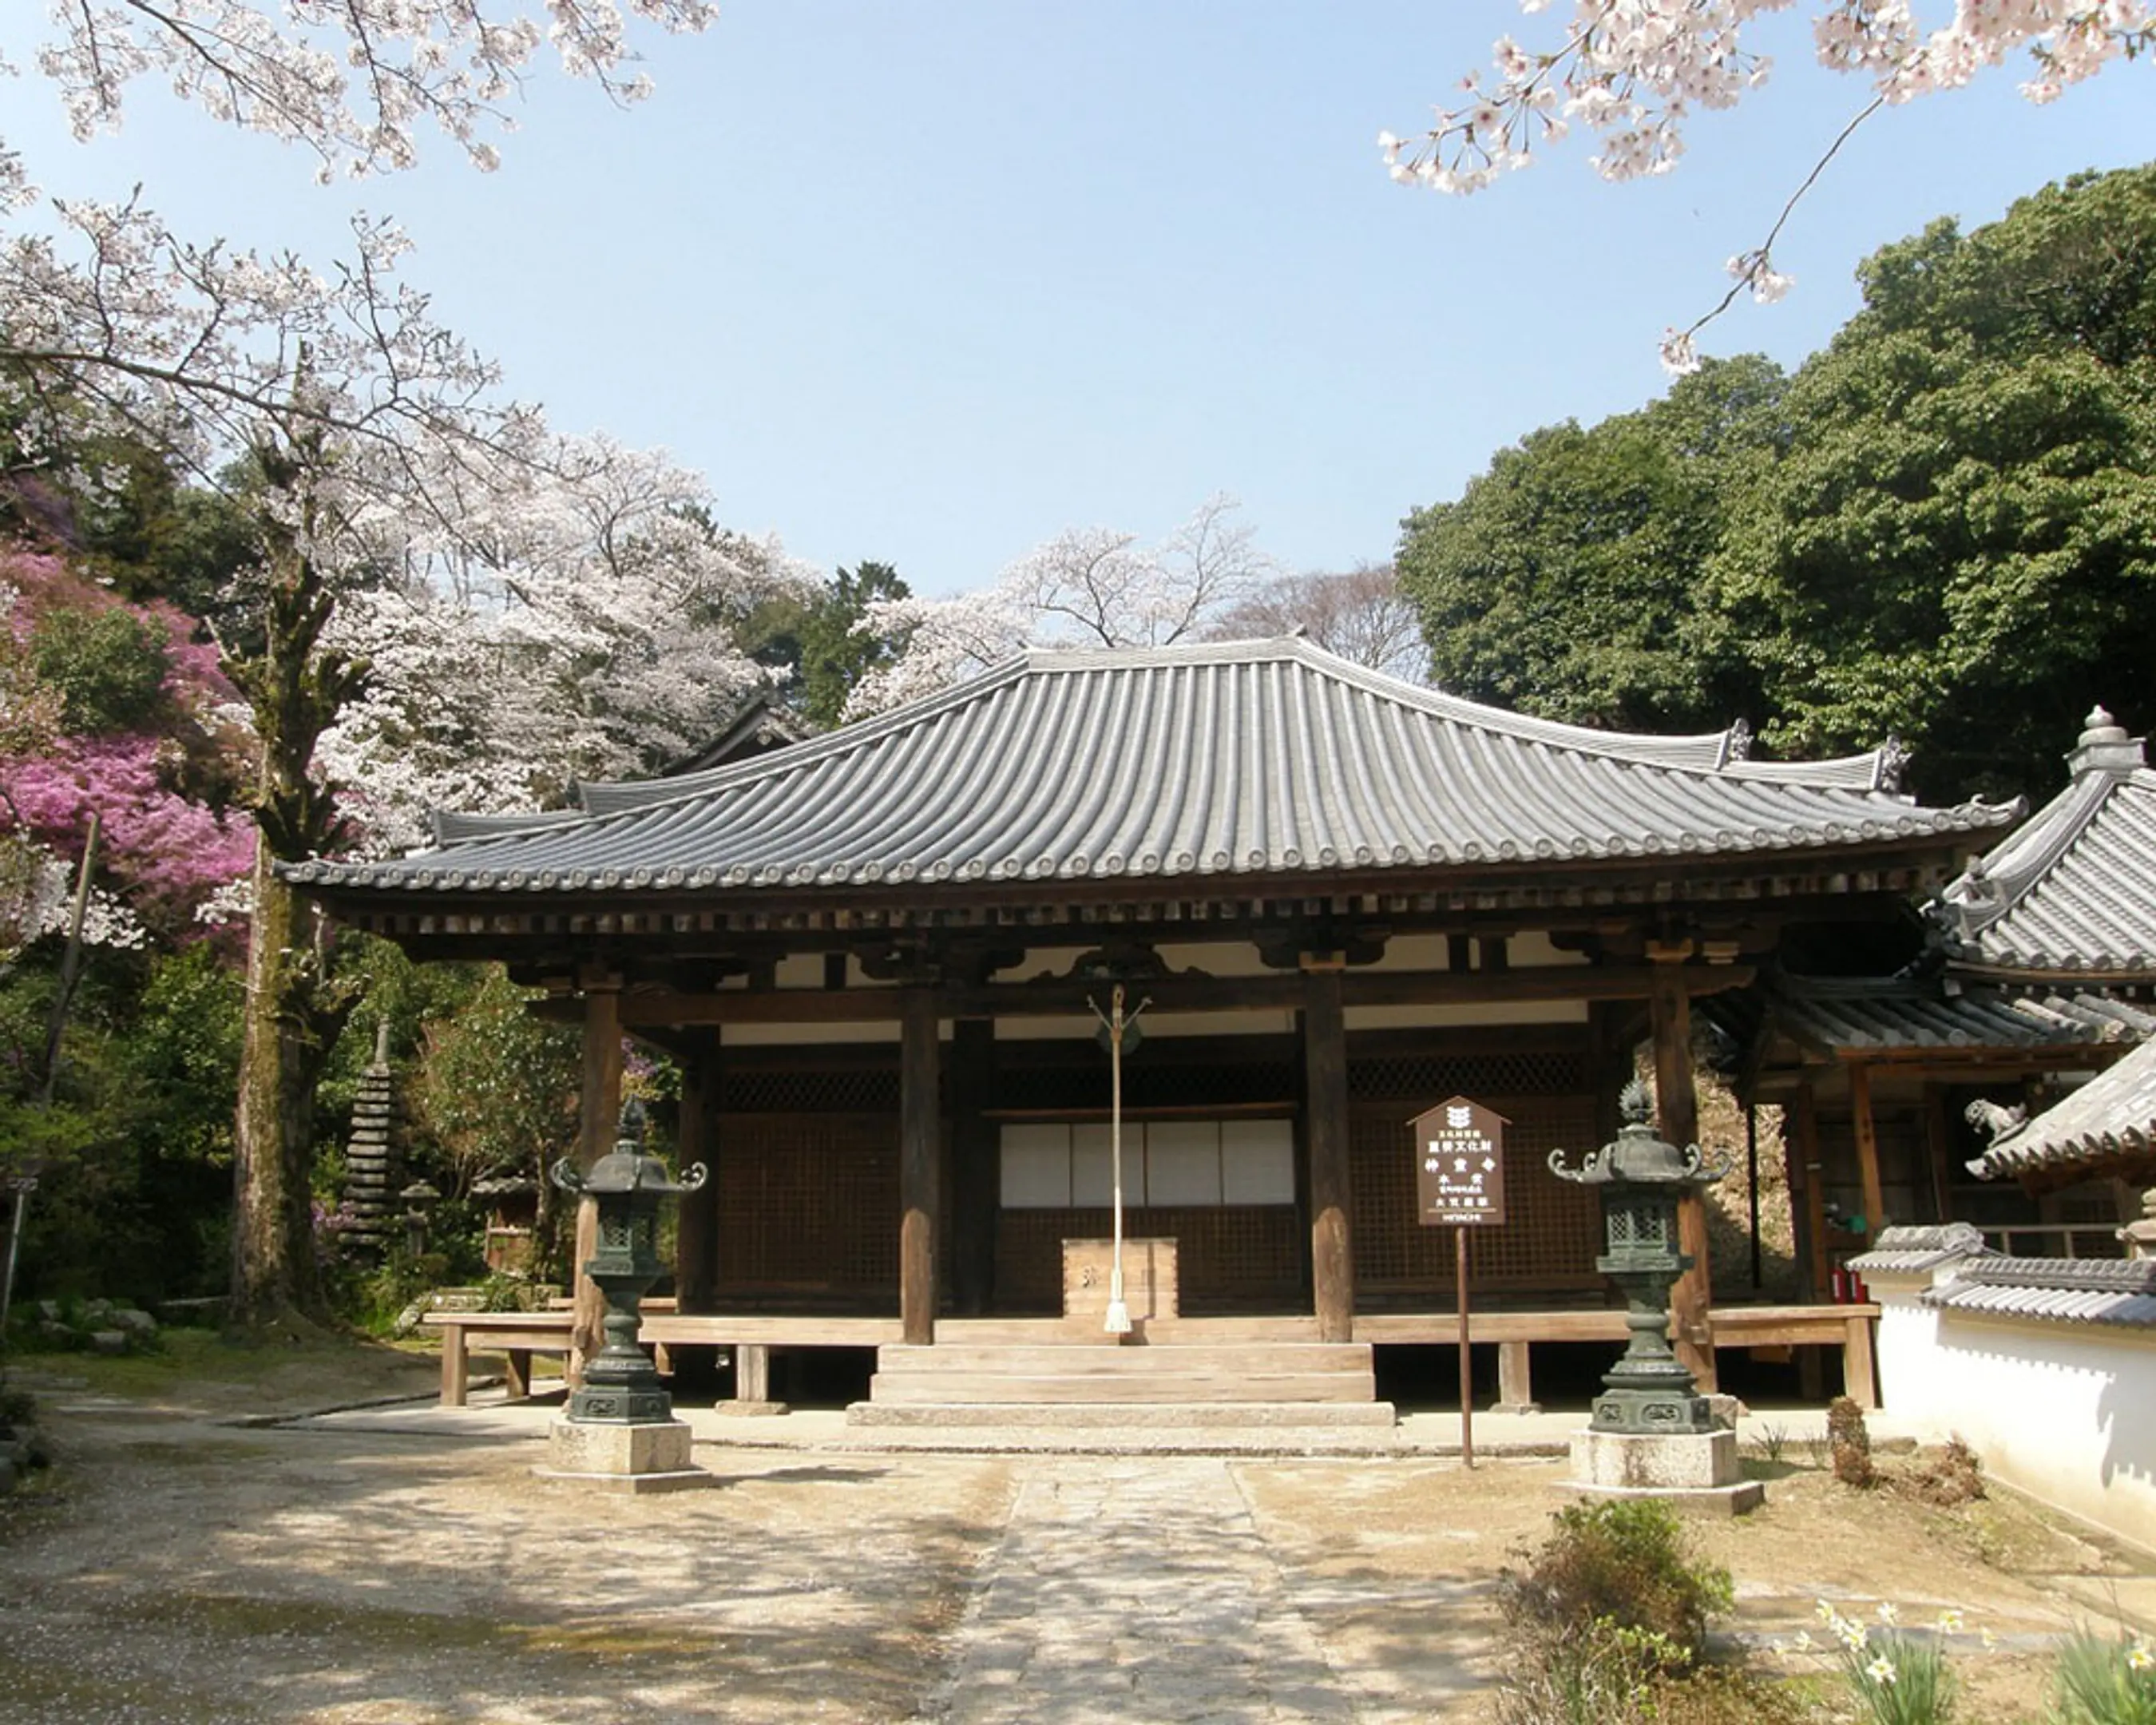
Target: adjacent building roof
2108, 1126
2096, 1290
1882, 1015
2072, 893
759, 727
1914, 1250
1263, 758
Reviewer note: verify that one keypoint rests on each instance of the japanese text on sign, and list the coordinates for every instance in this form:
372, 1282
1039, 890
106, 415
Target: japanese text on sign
1459, 1164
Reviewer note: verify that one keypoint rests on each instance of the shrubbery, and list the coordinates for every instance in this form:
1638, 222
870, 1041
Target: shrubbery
1607, 1625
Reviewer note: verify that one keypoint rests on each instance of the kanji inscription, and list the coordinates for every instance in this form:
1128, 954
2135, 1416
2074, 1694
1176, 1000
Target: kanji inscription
1460, 1165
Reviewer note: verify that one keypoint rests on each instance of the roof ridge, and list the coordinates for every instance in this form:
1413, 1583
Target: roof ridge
2000, 879
1711, 752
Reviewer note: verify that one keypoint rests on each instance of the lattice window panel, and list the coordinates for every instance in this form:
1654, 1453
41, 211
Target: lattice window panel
1233, 1257
1431, 1078
859, 1090
1553, 1231
808, 1202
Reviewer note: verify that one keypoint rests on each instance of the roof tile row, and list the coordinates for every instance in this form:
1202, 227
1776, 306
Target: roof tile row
1264, 757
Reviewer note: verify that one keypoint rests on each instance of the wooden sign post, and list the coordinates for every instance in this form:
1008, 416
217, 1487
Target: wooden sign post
1459, 1184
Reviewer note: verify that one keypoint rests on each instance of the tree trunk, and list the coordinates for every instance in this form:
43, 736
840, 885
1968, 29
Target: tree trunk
295, 688
288, 1033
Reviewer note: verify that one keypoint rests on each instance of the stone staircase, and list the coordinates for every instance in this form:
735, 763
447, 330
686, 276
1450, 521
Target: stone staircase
1197, 1374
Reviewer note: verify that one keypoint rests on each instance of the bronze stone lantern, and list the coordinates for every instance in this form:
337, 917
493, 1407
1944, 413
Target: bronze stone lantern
621, 1385
1640, 1177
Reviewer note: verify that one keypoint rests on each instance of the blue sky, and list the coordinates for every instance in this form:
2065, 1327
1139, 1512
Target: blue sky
929, 282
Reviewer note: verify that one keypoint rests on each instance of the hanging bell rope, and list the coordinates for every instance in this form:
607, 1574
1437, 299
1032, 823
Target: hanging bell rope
1116, 1026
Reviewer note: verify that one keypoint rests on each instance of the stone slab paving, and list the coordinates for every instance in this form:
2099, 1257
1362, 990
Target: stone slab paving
1136, 1590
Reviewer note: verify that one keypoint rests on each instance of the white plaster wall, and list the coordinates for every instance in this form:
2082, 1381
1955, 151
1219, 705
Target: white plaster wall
1910, 1366
2066, 1412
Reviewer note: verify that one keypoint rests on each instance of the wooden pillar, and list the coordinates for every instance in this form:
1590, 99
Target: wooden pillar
919, 1141
976, 1166
696, 1230
1325, 1090
599, 1118
1807, 1187
1692, 1319
1515, 1393
1867, 1148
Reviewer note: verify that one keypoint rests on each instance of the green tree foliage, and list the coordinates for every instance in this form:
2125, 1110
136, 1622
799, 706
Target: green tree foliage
496, 1087
1567, 582
1960, 545
108, 667
134, 1153
1943, 527
835, 653
118, 505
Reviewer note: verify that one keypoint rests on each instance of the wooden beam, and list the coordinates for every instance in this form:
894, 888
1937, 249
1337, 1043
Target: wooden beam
598, 1118
1062, 997
919, 1141
1692, 1319
1867, 1149
1325, 1063
976, 1168
696, 1230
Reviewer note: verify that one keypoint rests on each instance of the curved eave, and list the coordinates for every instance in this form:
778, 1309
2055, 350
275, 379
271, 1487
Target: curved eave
1846, 870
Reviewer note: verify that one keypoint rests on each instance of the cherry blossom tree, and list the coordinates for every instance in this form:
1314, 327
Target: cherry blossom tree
365, 426
580, 621
1631, 72
1089, 586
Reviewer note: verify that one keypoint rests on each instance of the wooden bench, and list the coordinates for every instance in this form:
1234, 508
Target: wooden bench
519, 1335
1848, 1328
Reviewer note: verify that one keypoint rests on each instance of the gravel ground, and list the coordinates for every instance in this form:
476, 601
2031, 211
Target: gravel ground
179, 1568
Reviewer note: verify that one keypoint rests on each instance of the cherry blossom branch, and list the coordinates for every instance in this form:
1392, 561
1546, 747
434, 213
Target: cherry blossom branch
1632, 71
1754, 270
351, 81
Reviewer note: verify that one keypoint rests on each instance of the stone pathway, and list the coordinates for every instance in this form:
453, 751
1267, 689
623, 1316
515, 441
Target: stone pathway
1136, 1590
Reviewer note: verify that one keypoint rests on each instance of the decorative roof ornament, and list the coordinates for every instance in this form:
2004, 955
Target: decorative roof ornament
1739, 746
2104, 746
1996, 1118
1894, 759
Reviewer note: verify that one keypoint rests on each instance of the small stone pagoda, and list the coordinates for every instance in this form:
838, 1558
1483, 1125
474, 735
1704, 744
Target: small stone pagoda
372, 1157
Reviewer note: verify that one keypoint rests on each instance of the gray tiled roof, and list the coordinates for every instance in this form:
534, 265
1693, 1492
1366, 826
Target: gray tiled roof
2096, 1290
1914, 1249
1266, 757
2074, 891
2110, 1120
1862, 1012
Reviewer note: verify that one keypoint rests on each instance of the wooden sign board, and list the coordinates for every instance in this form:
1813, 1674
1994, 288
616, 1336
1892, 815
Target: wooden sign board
1460, 1165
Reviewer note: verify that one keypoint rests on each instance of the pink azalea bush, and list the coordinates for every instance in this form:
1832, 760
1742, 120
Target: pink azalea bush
165, 850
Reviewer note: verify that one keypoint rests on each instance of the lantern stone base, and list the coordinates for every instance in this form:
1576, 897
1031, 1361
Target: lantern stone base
636, 1459
1695, 1471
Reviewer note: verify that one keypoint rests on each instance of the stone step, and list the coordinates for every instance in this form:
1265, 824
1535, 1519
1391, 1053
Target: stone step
1008, 1388
1050, 1331
1146, 1416
1144, 1360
